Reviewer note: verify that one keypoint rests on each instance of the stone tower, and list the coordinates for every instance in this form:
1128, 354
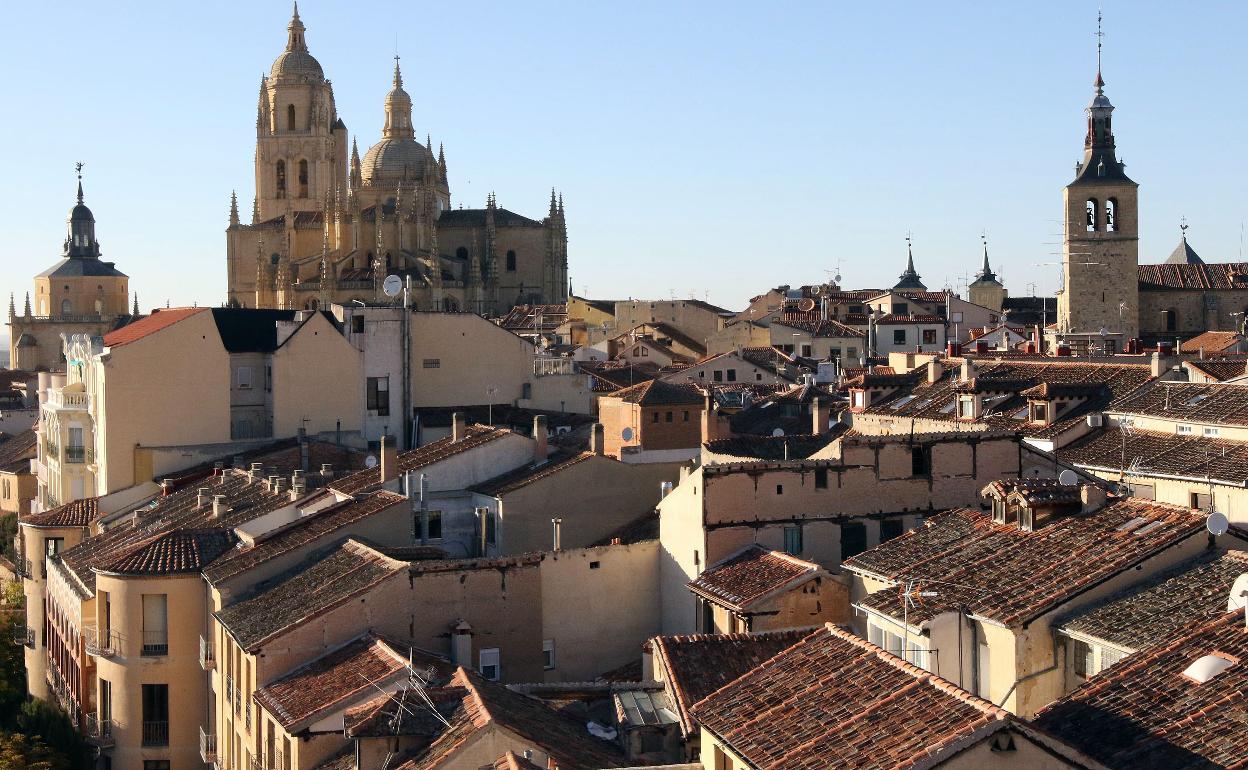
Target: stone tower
301, 144
987, 290
1101, 256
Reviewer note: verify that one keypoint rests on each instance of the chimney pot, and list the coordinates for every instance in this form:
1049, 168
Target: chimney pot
597, 437
540, 449
202, 497
389, 464
459, 427
218, 506
327, 470
166, 487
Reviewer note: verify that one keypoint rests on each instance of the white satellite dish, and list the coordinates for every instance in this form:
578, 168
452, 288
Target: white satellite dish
1239, 594
1068, 478
392, 285
777, 432
370, 462
627, 434
1217, 523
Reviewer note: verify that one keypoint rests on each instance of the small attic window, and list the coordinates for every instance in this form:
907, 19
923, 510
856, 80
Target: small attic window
1207, 667
947, 408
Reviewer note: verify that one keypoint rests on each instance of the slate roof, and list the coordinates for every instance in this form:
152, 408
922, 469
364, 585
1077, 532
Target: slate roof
158, 320
80, 267
1223, 275
476, 218
755, 573
1184, 254
1208, 402
836, 695
1164, 606
339, 677
303, 531
421, 457
20, 446
698, 665
307, 591
530, 474
1010, 576
1211, 342
1166, 454
1143, 714
79, 513
179, 552
660, 393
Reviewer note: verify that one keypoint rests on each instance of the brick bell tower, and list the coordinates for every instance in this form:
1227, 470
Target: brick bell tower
1101, 256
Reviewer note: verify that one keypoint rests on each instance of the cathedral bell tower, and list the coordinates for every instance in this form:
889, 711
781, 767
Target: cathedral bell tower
1100, 260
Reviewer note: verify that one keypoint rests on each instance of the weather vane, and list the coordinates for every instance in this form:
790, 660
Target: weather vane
1100, 36
1183, 225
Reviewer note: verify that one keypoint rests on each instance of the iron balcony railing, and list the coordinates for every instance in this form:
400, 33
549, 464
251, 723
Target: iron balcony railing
155, 733
155, 643
24, 636
23, 567
100, 644
75, 454
247, 712
207, 747
207, 658
97, 731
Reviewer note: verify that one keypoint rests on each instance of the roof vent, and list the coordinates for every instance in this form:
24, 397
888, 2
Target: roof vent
1206, 667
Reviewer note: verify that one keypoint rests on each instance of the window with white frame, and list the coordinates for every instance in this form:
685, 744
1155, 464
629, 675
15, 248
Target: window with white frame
488, 664
244, 377
548, 654
1210, 431
1183, 430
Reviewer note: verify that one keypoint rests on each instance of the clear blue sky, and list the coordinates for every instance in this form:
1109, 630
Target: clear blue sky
717, 147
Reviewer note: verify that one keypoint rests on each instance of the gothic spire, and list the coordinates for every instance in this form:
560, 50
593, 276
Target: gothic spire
12, 306
26, 311
294, 33
135, 309
554, 208
986, 274
233, 207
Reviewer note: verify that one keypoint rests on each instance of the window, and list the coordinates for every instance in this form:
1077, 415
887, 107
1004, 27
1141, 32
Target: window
667, 417
1171, 319
548, 654
929, 336
461, 253
875, 635
244, 377
1143, 491
721, 760
1111, 215
807, 351
1039, 412
1081, 657
281, 179
491, 526
357, 324
379, 395
488, 664
303, 179
67, 307
732, 375
1109, 657
891, 528
435, 524
511, 260
1208, 431
921, 461
821, 478
155, 624
899, 336
432, 363
901, 308
717, 375
851, 352
779, 489
290, 117
155, 764
793, 541
1183, 430
1090, 222
654, 417
686, 416
155, 714
853, 539
526, 390
1199, 501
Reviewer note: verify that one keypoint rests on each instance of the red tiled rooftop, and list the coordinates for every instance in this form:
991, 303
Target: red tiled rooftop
1211, 342
151, 324
79, 513
753, 574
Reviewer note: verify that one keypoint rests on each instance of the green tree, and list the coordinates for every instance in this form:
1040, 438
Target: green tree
41, 721
20, 752
12, 666
8, 536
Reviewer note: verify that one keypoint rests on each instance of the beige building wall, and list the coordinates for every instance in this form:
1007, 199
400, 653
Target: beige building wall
695, 319
1194, 311
738, 334
461, 359
318, 381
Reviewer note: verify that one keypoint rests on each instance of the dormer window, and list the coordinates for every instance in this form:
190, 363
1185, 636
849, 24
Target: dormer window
998, 511
1026, 518
1039, 412
968, 407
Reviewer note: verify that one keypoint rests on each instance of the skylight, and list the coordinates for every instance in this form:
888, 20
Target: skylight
1130, 525
1194, 400
947, 408
1207, 667
902, 402
1021, 414
1149, 527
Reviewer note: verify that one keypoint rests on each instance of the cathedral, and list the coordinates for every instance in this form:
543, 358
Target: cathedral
328, 227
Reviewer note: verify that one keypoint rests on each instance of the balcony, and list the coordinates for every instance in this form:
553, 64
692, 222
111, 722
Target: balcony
100, 644
58, 399
155, 733
98, 732
61, 690
155, 644
207, 658
207, 747
79, 454
24, 636
23, 567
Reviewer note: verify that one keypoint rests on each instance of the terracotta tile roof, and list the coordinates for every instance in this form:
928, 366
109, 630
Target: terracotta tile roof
159, 319
660, 393
1011, 576
327, 522
835, 694
510, 761
343, 760
1209, 402
172, 553
698, 665
79, 513
1165, 454
415, 459
309, 590
525, 317
753, 574
1166, 605
1212, 342
347, 674
1144, 714
1220, 368
530, 474
824, 328
1225, 275
608, 376
20, 446
472, 704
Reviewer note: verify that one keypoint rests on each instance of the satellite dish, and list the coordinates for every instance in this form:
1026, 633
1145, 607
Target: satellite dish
1068, 478
392, 285
627, 434
837, 277
1217, 523
806, 305
1239, 594
778, 432
1104, 331
370, 462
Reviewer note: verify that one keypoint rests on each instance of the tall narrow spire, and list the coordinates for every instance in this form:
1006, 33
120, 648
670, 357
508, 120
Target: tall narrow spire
398, 109
398, 76
1100, 37
554, 208
233, 207
295, 33
134, 310
910, 277
1099, 159
78, 168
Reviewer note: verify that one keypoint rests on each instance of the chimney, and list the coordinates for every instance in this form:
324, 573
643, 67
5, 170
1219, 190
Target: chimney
710, 420
461, 645
218, 468
218, 506
665, 489
968, 370
327, 471
202, 497
257, 470
1093, 497
539, 436
819, 417
597, 435
459, 428
935, 370
389, 460
279, 484
1159, 364
556, 527
166, 487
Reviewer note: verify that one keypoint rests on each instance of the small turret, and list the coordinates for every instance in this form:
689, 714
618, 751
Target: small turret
233, 209
12, 307
26, 311
442, 161
356, 175
134, 311
554, 208
910, 277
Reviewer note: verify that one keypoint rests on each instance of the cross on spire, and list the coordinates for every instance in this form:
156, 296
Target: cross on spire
78, 168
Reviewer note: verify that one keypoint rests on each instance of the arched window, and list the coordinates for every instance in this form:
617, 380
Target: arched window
1111, 215
511, 260
290, 117
449, 304
281, 179
99, 307
66, 307
1092, 211
311, 304
1171, 319
461, 253
303, 179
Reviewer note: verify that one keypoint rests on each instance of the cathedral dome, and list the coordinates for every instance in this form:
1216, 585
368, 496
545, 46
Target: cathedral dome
297, 64
395, 160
